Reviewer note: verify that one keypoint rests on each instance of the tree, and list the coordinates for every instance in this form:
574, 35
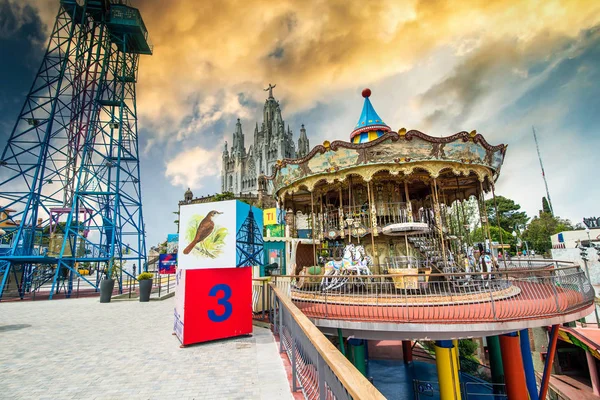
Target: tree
508, 213
546, 206
224, 196
541, 228
480, 235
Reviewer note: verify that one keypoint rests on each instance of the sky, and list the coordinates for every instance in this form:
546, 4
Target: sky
496, 66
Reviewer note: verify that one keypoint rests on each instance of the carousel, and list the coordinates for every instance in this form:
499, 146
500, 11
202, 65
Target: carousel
380, 203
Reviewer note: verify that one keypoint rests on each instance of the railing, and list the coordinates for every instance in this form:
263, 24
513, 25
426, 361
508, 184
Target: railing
499, 296
386, 214
319, 370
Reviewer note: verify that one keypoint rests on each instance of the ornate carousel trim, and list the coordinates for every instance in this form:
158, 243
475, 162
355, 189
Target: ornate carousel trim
394, 137
433, 168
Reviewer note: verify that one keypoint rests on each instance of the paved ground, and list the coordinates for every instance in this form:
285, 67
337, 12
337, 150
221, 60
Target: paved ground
81, 349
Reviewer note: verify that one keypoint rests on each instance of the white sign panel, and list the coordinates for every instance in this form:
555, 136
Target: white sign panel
207, 235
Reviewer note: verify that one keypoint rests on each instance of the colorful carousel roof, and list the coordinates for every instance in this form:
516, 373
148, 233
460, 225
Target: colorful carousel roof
464, 154
370, 126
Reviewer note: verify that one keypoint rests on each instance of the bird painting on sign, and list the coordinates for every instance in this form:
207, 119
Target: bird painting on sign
204, 230
207, 235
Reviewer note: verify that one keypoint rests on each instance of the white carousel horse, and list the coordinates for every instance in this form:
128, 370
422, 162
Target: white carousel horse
355, 261
362, 260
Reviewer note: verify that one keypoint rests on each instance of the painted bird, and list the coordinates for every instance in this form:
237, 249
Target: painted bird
204, 230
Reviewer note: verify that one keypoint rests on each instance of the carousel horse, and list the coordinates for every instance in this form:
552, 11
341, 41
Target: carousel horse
354, 262
362, 260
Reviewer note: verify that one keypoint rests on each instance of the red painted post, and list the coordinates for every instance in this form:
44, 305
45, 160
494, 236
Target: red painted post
549, 361
514, 374
407, 351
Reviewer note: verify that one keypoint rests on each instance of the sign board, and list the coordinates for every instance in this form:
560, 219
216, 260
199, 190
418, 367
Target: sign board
167, 263
213, 304
213, 297
275, 230
223, 234
172, 243
270, 216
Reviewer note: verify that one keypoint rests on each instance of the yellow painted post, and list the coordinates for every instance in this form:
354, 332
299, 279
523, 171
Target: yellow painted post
456, 359
447, 370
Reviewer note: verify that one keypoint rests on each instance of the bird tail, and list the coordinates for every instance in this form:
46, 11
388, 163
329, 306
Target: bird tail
189, 247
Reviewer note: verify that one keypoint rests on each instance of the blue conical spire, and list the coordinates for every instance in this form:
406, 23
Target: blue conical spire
370, 125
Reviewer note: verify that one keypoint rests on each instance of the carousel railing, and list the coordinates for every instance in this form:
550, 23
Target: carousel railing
386, 214
501, 295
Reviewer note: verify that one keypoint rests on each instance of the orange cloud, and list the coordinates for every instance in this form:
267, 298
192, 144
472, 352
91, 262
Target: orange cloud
312, 49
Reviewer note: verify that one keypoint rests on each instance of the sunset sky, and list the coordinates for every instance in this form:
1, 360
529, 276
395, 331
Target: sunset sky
437, 66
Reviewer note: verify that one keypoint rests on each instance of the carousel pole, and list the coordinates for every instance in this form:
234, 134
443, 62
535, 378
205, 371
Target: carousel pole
341, 212
373, 226
408, 206
487, 222
462, 210
322, 219
350, 211
438, 217
312, 218
409, 212
498, 222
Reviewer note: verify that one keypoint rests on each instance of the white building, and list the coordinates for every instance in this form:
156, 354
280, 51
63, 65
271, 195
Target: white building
272, 141
565, 248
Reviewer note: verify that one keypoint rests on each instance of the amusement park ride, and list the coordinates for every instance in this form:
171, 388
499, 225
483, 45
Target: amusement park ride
392, 202
70, 189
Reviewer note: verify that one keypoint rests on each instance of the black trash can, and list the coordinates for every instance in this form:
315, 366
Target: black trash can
145, 289
106, 289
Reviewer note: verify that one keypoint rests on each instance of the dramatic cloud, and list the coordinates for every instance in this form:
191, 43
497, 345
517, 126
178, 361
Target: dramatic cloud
497, 66
190, 167
313, 50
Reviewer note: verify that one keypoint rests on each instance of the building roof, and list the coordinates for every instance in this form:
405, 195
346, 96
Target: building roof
369, 119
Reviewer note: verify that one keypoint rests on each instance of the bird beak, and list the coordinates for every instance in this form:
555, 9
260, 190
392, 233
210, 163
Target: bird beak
218, 212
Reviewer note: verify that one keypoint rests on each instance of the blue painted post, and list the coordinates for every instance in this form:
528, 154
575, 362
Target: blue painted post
528, 364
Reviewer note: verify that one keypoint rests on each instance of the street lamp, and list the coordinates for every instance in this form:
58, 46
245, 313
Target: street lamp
584, 257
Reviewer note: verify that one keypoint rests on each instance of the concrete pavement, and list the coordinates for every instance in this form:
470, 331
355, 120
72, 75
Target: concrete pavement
81, 349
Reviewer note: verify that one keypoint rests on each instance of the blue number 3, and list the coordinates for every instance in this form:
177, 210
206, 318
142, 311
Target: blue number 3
223, 301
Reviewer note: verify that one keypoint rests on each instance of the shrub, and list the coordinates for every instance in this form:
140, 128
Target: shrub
144, 276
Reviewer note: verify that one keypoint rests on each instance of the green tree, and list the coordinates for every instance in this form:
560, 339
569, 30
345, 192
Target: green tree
546, 205
480, 235
224, 196
508, 213
461, 214
540, 229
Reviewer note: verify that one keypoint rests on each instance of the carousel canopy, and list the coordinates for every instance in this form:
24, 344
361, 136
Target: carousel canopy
453, 160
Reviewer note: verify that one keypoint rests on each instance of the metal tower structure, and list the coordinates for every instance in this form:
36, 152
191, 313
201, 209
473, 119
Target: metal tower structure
543, 173
249, 242
70, 188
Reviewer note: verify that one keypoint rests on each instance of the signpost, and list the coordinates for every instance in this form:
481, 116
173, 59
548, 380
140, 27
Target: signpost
218, 242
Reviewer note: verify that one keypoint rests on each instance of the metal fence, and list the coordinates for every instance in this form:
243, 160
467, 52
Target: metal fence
502, 295
319, 370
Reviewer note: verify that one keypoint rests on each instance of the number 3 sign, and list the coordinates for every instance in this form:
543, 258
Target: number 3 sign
213, 304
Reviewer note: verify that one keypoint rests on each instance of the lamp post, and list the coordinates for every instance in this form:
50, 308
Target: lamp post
584, 257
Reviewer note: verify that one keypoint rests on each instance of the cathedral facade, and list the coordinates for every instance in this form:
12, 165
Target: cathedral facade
272, 141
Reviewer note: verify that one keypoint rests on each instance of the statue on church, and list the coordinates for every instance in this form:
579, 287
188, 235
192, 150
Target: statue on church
270, 90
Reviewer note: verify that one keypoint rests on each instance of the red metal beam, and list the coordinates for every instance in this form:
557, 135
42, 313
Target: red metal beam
549, 361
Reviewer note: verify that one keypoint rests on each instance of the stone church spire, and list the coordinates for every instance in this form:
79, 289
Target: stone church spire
238, 140
272, 141
303, 144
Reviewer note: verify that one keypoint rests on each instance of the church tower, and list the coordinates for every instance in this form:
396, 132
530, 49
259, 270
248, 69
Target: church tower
272, 141
303, 146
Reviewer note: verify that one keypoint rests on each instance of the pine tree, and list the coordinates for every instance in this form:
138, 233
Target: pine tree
546, 205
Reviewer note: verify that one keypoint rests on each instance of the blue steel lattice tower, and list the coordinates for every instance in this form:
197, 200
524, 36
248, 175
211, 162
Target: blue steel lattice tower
249, 242
70, 188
